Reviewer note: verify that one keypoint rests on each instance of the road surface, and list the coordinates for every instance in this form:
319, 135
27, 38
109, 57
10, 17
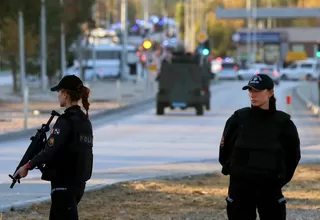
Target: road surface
6, 78
144, 145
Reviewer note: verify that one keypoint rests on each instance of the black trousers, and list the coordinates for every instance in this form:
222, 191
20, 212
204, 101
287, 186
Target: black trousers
64, 200
245, 199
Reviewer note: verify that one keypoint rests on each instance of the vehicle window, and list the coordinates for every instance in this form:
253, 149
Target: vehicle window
307, 65
266, 70
228, 65
108, 55
105, 55
292, 66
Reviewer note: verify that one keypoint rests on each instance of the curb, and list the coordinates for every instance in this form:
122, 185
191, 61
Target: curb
31, 131
28, 203
315, 109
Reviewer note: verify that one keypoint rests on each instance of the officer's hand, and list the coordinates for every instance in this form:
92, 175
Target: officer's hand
22, 172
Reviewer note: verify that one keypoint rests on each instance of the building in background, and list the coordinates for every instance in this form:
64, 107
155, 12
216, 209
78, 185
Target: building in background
274, 44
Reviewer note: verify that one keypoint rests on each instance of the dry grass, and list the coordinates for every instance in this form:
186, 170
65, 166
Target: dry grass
192, 198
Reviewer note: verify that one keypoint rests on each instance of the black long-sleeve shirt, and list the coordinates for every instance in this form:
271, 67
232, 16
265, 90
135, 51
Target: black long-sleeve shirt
228, 140
291, 145
289, 140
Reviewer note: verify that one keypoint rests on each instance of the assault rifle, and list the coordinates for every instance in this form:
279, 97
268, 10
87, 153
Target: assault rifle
37, 144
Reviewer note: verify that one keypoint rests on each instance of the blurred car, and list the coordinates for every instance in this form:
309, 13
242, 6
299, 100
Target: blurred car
224, 68
301, 70
247, 72
272, 72
228, 71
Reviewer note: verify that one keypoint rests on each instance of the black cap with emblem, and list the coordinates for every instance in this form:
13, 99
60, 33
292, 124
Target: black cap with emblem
69, 82
260, 82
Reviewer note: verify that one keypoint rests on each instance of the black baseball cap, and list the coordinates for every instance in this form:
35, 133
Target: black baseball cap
69, 82
260, 82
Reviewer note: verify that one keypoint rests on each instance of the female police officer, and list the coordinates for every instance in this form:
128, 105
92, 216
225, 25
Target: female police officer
67, 156
260, 150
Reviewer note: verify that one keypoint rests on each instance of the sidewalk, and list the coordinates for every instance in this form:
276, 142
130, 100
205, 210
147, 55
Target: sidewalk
308, 92
104, 95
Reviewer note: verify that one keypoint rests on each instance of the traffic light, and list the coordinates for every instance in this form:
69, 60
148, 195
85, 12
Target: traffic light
147, 44
205, 51
318, 51
205, 48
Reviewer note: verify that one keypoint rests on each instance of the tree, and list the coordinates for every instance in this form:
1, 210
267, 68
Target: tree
10, 33
74, 14
219, 31
10, 45
179, 16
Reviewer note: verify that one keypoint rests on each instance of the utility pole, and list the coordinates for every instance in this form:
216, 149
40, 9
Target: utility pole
107, 14
254, 22
186, 24
269, 22
164, 8
63, 42
249, 26
146, 16
98, 15
43, 46
22, 54
165, 14
124, 12
193, 25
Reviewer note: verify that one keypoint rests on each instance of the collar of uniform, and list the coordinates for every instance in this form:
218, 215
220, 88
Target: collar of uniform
260, 110
71, 108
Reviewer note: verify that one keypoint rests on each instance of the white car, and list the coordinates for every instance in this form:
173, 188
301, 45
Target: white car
272, 72
227, 71
301, 70
247, 73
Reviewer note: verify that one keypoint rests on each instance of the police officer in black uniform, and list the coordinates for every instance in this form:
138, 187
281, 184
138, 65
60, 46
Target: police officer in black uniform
260, 150
68, 155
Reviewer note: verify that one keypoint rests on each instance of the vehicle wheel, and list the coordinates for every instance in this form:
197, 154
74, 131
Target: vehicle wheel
160, 109
276, 82
199, 110
309, 77
208, 107
284, 77
240, 78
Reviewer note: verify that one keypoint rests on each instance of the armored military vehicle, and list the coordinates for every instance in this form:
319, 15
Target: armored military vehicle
183, 83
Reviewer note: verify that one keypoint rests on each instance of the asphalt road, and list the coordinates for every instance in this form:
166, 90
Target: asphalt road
140, 144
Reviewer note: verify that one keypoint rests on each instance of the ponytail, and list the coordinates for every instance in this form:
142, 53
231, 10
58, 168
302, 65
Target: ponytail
84, 95
272, 103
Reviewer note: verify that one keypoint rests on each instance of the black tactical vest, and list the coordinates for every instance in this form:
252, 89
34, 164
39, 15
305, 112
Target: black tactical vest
258, 152
74, 162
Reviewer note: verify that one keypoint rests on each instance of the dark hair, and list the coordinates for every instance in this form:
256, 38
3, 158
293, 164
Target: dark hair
272, 103
83, 94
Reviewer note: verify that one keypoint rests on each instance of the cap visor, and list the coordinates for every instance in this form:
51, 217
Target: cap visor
54, 89
250, 87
